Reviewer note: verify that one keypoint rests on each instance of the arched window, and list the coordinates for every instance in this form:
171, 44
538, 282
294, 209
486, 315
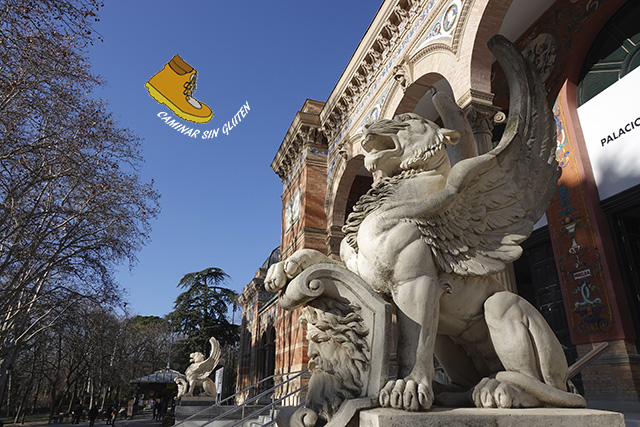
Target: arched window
614, 53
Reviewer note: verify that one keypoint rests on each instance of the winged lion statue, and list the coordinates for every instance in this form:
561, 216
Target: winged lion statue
429, 236
197, 374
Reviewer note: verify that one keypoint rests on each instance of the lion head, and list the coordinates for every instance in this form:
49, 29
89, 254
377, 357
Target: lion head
196, 357
183, 385
409, 141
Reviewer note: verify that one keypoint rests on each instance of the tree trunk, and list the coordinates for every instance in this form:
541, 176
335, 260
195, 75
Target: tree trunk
104, 398
6, 365
22, 405
53, 400
35, 398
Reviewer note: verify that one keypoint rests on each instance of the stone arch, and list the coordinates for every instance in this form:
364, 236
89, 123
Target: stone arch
417, 97
267, 354
467, 65
467, 68
338, 201
429, 73
344, 182
485, 20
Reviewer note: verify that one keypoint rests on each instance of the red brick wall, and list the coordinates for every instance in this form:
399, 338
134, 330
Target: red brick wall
613, 376
310, 233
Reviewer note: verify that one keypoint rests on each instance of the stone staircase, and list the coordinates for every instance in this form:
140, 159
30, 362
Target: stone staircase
183, 412
258, 410
262, 420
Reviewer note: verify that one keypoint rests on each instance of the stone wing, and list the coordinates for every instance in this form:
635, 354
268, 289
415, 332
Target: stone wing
491, 202
208, 365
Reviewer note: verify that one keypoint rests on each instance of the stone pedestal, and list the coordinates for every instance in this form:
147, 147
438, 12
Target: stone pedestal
196, 410
475, 417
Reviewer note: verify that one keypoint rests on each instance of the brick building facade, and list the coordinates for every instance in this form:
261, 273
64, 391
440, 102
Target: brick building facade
580, 266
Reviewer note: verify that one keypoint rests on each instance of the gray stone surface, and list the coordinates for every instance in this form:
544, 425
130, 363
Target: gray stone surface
486, 417
189, 401
195, 411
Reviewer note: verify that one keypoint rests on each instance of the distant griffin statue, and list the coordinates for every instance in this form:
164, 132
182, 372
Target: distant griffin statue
197, 374
429, 236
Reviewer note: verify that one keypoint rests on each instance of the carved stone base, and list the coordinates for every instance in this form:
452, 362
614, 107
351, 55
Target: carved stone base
535, 417
195, 411
197, 400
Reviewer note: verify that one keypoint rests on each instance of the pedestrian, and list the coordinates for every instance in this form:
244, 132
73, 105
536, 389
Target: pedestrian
110, 414
93, 414
162, 408
155, 409
130, 406
77, 413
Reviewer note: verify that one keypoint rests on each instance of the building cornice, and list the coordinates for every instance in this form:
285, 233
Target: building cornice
303, 132
380, 56
390, 27
377, 44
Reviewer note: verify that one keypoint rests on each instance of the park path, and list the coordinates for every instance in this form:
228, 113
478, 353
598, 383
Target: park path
138, 421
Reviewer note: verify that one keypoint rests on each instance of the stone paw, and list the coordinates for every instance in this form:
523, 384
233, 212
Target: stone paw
276, 278
406, 394
491, 393
281, 273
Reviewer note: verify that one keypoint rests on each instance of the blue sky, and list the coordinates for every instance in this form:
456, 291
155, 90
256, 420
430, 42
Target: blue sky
220, 201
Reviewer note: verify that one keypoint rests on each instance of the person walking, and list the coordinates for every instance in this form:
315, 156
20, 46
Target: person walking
93, 414
155, 409
77, 413
111, 414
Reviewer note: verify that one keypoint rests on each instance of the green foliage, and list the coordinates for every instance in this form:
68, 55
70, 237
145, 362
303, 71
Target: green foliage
200, 312
148, 321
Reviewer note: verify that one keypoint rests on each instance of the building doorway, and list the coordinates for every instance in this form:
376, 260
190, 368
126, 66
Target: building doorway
626, 233
267, 357
538, 283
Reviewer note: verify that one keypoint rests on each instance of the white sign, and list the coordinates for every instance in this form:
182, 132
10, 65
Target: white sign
611, 126
218, 382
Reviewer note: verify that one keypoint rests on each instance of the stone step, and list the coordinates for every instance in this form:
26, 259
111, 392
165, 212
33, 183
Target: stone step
261, 420
534, 417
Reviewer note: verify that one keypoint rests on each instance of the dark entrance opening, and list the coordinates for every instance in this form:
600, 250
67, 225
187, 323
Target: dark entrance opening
623, 211
267, 358
537, 280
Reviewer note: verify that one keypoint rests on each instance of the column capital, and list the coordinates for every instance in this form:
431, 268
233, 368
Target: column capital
482, 118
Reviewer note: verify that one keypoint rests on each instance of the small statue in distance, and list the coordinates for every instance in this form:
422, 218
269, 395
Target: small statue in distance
198, 372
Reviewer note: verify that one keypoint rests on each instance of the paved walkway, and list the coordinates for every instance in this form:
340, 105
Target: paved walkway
632, 420
138, 421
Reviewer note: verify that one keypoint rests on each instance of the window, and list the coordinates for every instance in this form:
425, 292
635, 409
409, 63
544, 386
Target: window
614, 53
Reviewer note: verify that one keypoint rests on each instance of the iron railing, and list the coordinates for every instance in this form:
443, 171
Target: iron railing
242, 406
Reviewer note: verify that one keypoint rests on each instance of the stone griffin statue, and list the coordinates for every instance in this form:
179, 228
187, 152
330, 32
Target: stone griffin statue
428, 237
197, 374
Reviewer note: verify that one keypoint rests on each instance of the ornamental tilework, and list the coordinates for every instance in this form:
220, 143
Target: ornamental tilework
563, 155
577, 255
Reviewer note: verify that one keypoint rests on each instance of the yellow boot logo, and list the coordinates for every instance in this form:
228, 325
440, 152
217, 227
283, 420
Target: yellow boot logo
174, 86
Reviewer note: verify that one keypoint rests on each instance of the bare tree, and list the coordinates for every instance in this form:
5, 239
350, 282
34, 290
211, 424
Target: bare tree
72, 204
89, 355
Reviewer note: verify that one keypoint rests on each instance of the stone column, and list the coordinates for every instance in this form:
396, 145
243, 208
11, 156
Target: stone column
334, 238
480, 117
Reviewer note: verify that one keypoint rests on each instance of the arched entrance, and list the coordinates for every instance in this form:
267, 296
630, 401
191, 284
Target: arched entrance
267, 357
352, 183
